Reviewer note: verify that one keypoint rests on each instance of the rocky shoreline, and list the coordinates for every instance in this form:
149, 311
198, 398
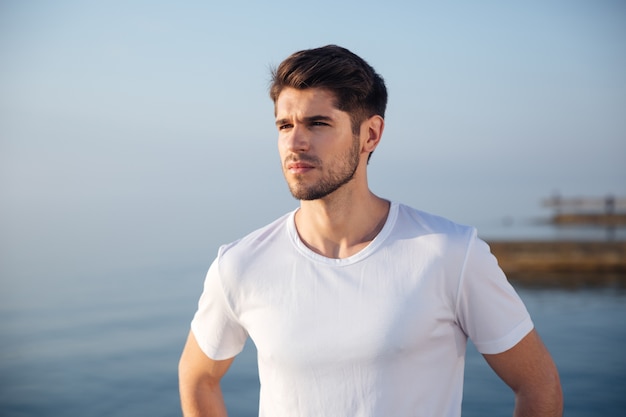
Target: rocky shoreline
562, 262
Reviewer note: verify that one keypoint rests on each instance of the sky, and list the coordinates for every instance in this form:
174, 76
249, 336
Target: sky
138, 134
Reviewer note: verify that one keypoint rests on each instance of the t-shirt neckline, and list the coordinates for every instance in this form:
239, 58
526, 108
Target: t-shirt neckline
360, 255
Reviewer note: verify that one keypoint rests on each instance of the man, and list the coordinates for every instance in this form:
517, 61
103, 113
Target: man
357, 306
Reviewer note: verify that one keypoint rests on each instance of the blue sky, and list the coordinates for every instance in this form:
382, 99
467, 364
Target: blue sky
140, 133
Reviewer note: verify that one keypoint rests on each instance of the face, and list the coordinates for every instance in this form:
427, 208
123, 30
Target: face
318, 150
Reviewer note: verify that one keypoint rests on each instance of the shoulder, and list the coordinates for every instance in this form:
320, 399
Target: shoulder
432, 239
428, 224
255, 245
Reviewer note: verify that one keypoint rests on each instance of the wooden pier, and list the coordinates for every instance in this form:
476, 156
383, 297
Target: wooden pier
566, 262
590, 219
593, 211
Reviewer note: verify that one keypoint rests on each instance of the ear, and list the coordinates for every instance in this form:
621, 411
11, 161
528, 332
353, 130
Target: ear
372, 131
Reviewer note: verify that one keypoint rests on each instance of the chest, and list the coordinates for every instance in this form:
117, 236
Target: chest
303, 312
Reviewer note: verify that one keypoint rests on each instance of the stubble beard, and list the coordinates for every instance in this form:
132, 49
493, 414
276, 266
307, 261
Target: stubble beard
333, 180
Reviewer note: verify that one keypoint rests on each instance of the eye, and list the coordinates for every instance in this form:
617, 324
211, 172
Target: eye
284, 126
319, 124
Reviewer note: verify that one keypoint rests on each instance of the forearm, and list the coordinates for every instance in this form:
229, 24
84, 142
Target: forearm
202, 400
545, 404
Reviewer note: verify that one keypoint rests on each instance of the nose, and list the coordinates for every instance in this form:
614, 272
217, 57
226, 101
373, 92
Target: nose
297, 139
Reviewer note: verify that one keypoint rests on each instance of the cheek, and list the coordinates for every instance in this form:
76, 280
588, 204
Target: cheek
282, 147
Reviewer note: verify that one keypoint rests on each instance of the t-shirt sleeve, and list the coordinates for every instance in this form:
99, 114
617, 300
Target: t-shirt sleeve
489, 309
217, 330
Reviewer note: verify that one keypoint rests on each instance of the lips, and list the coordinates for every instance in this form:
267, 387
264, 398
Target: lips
299, 166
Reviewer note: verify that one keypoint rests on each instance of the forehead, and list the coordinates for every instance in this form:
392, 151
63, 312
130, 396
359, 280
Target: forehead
293, 102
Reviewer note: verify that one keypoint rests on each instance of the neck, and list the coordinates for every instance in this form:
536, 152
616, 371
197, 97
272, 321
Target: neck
338, 226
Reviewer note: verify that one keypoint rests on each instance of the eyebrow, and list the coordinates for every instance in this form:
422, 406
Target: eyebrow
310, 119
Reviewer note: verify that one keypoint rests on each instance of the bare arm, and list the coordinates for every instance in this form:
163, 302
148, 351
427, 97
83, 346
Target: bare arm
199, 382
531, 373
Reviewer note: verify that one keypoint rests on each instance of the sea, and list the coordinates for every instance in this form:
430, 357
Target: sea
106, 343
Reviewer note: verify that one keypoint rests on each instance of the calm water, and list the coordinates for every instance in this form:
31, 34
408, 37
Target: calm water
109, 346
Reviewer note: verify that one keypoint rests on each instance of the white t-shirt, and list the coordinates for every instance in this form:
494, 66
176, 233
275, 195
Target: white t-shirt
381, 333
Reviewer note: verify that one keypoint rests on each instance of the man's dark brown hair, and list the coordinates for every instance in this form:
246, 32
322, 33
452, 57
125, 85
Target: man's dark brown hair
358, 89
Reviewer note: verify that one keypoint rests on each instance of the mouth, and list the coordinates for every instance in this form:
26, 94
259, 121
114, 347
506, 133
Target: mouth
299, 166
